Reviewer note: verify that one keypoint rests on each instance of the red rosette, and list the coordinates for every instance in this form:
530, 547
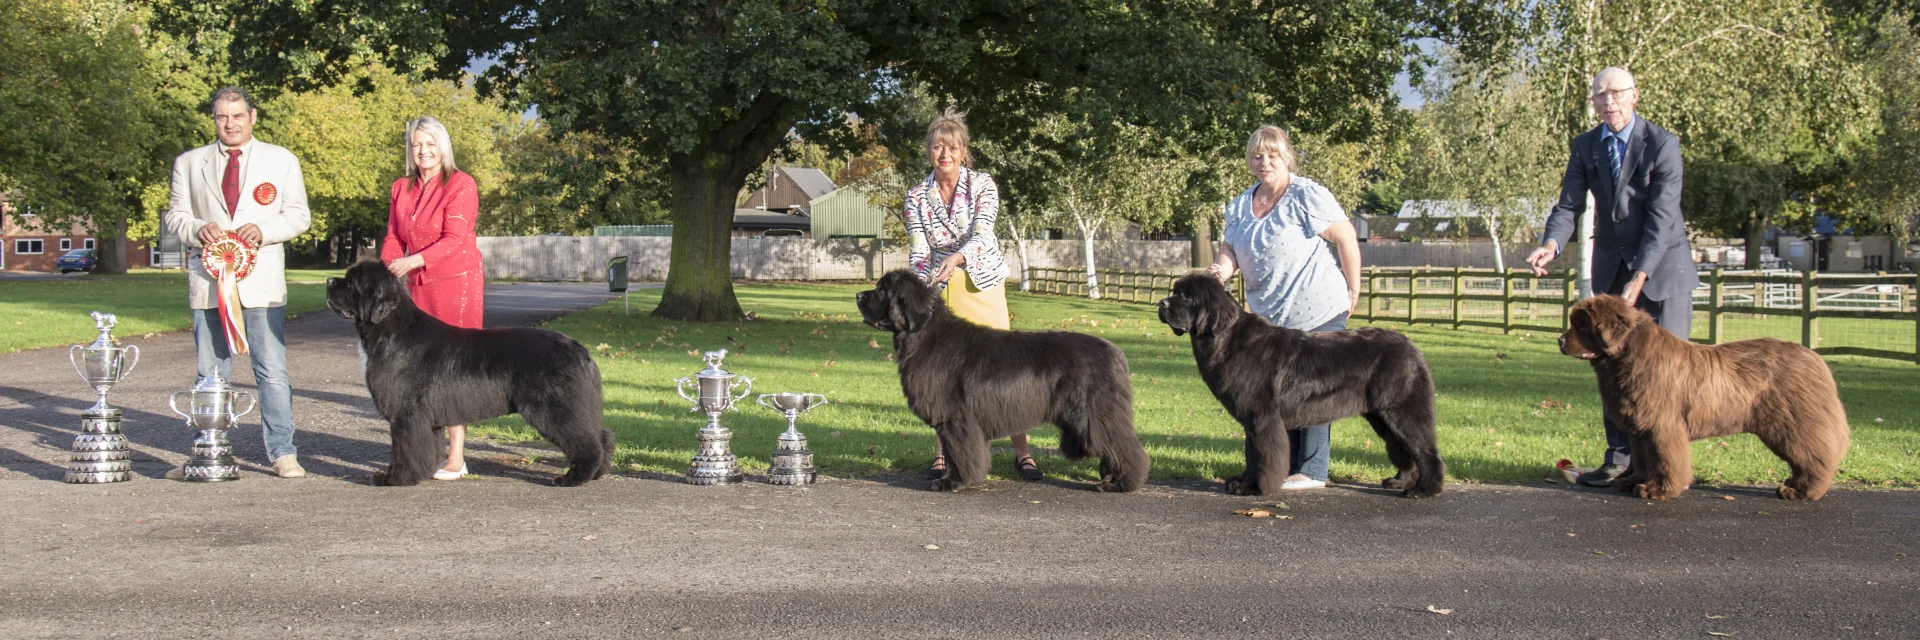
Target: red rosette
265, 193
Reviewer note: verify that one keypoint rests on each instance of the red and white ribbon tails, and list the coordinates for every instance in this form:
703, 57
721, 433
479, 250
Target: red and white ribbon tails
229, 260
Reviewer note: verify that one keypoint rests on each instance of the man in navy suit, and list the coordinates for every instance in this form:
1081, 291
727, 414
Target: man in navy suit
1640, 249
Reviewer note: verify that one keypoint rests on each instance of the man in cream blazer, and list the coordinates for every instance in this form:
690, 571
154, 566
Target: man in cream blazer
254, 189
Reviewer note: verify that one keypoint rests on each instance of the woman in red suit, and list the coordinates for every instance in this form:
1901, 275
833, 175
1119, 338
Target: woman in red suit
430, 244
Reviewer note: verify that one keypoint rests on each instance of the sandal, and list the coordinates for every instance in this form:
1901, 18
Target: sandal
1028, 469
939, 468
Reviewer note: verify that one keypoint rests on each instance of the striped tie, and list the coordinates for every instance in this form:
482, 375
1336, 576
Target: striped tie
1614, 152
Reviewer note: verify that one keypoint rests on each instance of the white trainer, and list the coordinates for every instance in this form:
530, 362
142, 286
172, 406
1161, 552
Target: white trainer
1297, 482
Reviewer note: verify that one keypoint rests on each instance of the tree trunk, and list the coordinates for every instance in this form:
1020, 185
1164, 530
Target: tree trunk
1019, 239
1086, 243
110, 248
1499, 251
1202, 240
1756, 236
699, 273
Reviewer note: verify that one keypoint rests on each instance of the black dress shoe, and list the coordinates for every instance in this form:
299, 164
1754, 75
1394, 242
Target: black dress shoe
1601, 477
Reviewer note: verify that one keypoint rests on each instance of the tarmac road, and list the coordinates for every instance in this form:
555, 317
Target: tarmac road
507, 555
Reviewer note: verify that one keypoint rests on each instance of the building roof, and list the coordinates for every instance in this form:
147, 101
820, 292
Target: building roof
759, 219
813, 182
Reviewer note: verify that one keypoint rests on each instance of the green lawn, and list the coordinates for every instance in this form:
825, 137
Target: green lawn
1510, 405
47, 313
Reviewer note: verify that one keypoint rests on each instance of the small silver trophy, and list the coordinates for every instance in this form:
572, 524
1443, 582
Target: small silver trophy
792, 461
210, 412
715, 462
100, 453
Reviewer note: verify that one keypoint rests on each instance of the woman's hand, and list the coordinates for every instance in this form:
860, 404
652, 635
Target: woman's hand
947, 266
1219, 273
400, 267
1353, 300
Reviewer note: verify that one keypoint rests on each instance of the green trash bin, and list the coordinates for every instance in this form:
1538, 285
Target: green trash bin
617, 281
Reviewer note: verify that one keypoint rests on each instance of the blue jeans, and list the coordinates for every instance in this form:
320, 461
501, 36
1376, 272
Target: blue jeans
1310, 445
267, 350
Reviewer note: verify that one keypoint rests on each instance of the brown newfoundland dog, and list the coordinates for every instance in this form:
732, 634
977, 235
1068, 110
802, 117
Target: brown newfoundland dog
1666, 392
1273, 379
973, 384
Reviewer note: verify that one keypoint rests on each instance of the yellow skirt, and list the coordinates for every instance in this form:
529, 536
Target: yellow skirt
987, 307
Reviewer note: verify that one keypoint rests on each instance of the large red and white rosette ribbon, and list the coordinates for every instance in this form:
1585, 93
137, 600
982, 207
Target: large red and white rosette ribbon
229, 260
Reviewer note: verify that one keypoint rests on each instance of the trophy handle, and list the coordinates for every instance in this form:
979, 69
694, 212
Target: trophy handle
75, 351
745, 382
680, 387
176, 407
815, 400
134, 358
763, 402
251, 403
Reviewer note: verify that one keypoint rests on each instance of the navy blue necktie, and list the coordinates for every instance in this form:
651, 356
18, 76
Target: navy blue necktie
1614, 151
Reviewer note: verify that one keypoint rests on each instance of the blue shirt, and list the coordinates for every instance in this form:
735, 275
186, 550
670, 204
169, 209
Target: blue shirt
1292, 277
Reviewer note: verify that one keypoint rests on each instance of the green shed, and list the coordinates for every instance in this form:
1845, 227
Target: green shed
846, 213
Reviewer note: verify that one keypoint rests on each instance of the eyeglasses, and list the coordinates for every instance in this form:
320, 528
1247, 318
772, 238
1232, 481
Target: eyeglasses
1611, 96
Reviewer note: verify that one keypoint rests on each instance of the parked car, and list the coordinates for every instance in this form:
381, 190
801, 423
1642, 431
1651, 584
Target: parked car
76, 260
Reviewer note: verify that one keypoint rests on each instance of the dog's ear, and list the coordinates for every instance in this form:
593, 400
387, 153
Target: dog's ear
907, 305
1214, 309
378, 298
1612, 320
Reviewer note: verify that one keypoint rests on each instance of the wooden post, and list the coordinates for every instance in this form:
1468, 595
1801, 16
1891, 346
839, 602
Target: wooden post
1506, 302
1572, 297
1809, 294
1413, 295
1716, 285
1459, 287
1916, 318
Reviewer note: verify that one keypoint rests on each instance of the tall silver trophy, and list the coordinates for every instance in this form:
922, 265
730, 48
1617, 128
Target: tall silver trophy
210, 414
792, 461
100, 453
714, 463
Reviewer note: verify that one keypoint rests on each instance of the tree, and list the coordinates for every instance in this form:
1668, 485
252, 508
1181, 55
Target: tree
714, 88
1885, 193
91, 124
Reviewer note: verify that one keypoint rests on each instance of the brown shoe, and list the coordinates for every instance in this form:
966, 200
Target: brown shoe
287, 467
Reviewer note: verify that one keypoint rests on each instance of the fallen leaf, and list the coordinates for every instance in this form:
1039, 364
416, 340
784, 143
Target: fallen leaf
1254, 513
589, 538
1714, 617
1444, 612
1719, 634
1034, 501
1549, 403
931, 547
602, 347
873, 343
1280, 505
1727, 498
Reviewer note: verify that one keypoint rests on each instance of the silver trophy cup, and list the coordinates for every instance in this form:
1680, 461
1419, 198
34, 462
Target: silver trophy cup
792, 461
210, 413
100, 453
714, 463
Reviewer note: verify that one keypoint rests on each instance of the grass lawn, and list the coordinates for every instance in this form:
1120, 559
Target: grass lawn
48, 313
1510, 405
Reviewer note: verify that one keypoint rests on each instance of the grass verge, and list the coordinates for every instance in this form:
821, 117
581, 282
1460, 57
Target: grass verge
49, 313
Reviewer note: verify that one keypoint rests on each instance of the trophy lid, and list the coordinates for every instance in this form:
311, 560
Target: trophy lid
713, 369
212, 383
104, 322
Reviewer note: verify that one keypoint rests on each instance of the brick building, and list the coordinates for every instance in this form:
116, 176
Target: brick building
28, 246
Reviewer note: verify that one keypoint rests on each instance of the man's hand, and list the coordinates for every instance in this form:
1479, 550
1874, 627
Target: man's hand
1540, 257
947, 266
249, 233
1632, 292
210, 233
402, 266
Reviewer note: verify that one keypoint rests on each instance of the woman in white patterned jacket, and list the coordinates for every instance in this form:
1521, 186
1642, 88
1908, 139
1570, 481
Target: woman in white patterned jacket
950, 218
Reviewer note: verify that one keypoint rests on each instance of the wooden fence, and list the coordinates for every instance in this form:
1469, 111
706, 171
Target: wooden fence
1516, 299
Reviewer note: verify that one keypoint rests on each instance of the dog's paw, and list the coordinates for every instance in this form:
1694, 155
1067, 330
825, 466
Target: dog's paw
1653, 491
380, 478
948, 485
1243, 487
1790, 493
568, 480
1394, 483
1628, 484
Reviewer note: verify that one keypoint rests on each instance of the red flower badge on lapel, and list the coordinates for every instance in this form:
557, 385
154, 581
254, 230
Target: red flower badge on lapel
265, 193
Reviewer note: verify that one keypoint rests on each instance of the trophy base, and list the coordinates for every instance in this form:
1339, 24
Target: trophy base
203, 473
714, 481
100, 454
104, 477
791, 477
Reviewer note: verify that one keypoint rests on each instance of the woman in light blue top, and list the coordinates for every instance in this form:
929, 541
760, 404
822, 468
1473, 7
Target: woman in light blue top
1282, 234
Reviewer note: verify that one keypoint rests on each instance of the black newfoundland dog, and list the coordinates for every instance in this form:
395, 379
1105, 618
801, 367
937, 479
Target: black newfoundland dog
425, 375
1273, 379
973, 384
